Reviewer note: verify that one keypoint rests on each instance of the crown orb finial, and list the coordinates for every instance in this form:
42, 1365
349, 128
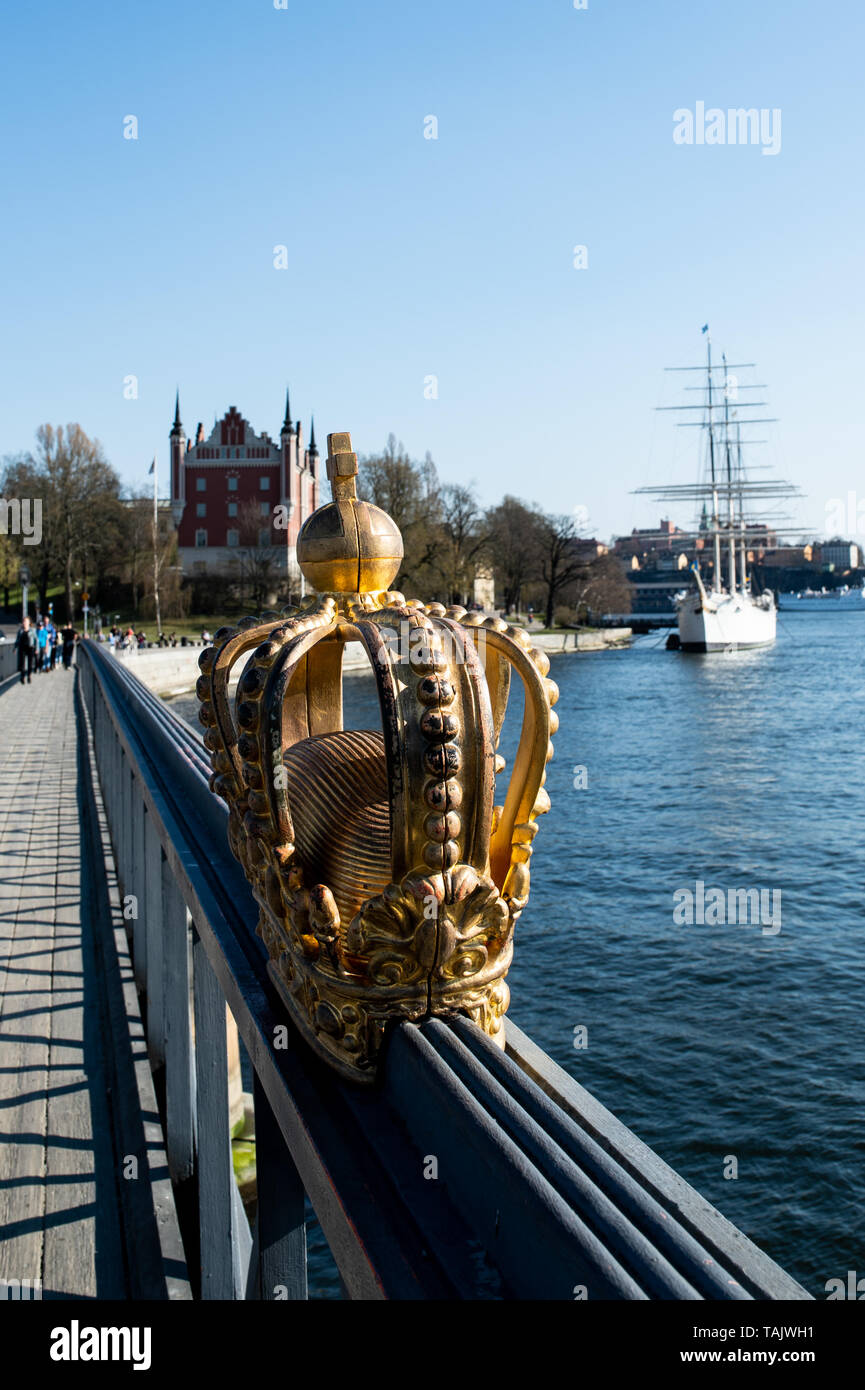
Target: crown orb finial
348, 546
389, 864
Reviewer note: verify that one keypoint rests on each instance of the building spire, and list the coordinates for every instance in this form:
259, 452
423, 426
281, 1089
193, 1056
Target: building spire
286, 424
177, 423
312, 447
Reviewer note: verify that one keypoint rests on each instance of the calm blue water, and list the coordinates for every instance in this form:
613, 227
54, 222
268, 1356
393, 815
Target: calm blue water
740, 770
744, 771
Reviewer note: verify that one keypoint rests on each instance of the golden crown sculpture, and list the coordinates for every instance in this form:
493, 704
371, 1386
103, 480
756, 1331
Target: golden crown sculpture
388, 881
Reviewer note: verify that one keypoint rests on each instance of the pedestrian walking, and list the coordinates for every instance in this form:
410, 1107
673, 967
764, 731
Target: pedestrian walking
25, 645
69, 637
41, 644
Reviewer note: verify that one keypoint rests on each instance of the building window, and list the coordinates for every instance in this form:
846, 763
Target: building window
201, 538
233, 538
200, 484
232, 485
264, 484
232, 509
264, 508
201, 509
264, 537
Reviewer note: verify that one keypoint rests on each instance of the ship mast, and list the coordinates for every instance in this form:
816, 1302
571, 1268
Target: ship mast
716, 534
743, 553
731, 506
734, 524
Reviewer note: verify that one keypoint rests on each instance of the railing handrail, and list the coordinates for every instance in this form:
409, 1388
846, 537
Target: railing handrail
530, 1170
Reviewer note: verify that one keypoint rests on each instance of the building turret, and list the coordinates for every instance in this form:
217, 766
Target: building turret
288, 450
177, 442
312, 464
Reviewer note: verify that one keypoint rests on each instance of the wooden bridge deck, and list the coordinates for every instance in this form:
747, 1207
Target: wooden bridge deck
85, 1203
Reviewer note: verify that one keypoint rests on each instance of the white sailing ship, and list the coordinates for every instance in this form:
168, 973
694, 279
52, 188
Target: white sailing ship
723, 612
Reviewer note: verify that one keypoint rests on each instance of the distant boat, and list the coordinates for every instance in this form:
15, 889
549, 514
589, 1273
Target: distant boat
728, 614
844, 599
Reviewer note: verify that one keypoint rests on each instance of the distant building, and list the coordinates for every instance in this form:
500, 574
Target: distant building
787, 556
646, 541
669, 562
760, 537
588, 550
237, 490
843, 555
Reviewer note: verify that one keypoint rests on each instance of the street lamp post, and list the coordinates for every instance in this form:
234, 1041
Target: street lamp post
24, 580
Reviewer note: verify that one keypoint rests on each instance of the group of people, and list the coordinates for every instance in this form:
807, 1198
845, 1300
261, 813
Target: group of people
124, 640
38, 646
119, 640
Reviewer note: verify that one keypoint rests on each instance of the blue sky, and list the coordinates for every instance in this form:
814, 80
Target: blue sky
409, 257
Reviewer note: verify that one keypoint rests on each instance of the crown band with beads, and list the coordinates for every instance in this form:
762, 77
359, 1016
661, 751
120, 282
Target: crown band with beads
388, 881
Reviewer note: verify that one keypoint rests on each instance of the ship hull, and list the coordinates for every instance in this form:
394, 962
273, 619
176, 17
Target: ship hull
725, 623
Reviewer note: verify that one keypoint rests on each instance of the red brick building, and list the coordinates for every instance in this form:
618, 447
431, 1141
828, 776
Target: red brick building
238, 491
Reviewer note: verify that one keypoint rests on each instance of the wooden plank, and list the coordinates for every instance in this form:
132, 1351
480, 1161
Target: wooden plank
51, 1077
179, 1065
137, 889
27, 933
221, 1272
280, 1249
150, 908
154, 1254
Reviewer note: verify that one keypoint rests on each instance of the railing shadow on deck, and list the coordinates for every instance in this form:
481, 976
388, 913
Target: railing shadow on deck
540, 1192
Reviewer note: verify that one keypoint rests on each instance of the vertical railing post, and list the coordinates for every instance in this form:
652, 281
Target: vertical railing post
280, 1248
136, 883
151, 886
225, 1237
179, 1076
125, 804
113, 779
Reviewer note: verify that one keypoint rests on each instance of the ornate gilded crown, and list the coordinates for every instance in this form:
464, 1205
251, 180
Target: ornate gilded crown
388, 881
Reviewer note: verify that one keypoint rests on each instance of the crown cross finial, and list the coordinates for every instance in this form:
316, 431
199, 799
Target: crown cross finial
388, 882
341, 467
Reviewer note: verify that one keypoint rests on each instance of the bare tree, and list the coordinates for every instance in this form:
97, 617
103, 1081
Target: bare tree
602, 587
560, 563
81, 508
410, 494
462, 541
257, 561
10, 562
142, 565
514, 545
